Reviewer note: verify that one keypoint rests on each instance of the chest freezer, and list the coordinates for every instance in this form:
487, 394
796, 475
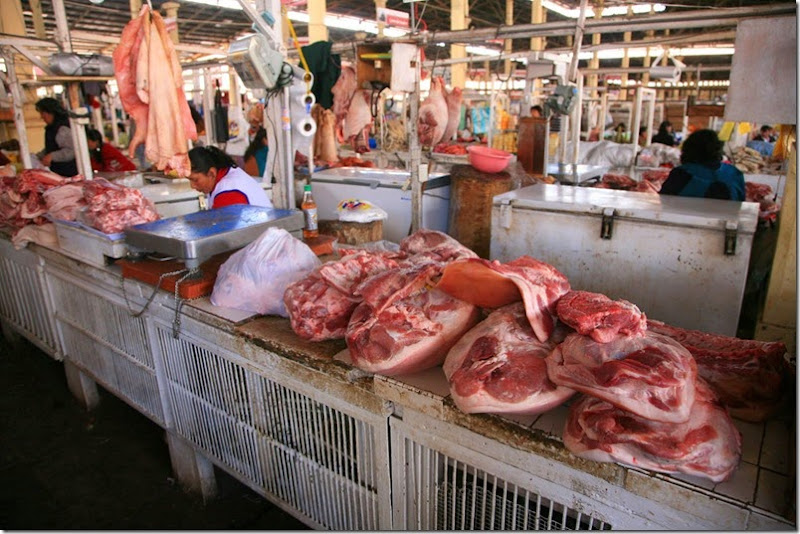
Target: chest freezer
388, 189
680, 260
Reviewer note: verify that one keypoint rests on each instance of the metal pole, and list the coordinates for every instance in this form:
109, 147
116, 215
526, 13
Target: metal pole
415, 152
572, 73
576, 115
19, 116
208, 106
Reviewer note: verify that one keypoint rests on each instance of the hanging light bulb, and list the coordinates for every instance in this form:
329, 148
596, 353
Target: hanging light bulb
96, 1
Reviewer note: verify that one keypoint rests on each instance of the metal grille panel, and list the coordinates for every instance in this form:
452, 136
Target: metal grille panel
23, 304
302, 452
106, 321
448, 494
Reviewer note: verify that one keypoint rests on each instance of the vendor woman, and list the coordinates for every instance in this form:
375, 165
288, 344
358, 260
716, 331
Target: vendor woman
215, 174
702, 173
58, 153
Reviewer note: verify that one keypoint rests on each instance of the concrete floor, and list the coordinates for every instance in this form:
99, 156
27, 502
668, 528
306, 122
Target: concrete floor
64, 468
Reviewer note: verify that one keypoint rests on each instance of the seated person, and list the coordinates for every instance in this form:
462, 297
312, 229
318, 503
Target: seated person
702, 173
215, 174
665, 135
106, 158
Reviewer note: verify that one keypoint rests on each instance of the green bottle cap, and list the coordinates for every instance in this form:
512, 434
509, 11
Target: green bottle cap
307, 187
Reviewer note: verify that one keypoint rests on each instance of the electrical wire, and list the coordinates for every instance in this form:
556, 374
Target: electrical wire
299, 48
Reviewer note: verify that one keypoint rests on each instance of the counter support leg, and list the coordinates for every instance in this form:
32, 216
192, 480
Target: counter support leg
193, 470
9, 334
82, 387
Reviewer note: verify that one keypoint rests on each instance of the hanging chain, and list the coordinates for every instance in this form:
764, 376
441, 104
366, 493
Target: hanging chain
176, 324
153, 295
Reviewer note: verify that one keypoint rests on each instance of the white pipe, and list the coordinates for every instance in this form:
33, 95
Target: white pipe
576, 115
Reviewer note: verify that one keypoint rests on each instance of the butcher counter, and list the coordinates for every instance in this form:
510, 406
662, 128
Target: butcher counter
340, 449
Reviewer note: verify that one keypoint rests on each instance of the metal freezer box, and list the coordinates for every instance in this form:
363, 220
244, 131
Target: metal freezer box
384, 188
204, 233
665, 254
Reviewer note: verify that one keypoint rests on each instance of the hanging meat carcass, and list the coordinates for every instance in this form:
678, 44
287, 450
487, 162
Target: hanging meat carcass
499, 367
358, 122
453, 99
150, 82
433, 115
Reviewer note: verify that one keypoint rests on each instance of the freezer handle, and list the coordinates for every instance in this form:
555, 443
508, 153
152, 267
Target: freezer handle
730, 238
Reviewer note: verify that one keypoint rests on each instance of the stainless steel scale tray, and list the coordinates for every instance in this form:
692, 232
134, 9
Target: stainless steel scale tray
202, 234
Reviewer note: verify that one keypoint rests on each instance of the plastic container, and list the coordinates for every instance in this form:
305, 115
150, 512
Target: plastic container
486, 159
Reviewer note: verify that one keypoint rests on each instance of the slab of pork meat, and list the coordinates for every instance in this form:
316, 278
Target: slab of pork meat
652, 376
403, 326
320, 305
747, 375
707, 445
499, 367
597, 316
491, 284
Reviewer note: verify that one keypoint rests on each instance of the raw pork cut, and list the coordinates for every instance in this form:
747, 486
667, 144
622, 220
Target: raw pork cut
343, 91
424, 245
325, 137
747, 375
453, 99
125, 71
652, 375
320, 305
63, 202
433, 115
491, 284
706, 445
597, 316
358, 122
402, 326
111, 208
499, 367
619, 181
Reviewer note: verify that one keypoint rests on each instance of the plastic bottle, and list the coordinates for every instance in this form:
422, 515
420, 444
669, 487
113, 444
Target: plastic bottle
309, 208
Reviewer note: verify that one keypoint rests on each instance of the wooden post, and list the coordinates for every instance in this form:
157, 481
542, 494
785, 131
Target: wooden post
136, 6
595, 63
646, 62
317, 31
19, 117
508, 43
172, 12
626, 61
38, 19
459, 10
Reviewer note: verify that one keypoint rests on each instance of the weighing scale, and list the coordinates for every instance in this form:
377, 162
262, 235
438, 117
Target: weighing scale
195, 237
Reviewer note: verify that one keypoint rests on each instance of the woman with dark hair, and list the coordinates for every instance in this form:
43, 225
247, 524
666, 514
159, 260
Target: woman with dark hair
215, 174
106, 158
255, 157
665, 135
59, 152
702, 173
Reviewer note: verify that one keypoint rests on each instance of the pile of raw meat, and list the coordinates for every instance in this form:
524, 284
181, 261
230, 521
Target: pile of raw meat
514, 338
29, 196
651, 182
23, 198
763, 194
150, 82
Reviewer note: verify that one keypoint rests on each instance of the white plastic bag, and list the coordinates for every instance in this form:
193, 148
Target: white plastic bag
255, 278
360, 211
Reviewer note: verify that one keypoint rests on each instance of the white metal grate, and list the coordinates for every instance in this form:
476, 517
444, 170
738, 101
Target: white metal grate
301, 452
23, 300
104, 340
441, 492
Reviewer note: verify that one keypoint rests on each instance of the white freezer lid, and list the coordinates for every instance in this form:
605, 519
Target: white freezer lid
682, 211
374, 178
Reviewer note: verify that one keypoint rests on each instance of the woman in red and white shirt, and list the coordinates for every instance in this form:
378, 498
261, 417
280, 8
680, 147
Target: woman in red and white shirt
215, 174
106, 158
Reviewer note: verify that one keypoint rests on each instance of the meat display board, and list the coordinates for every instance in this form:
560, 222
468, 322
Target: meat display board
680, 260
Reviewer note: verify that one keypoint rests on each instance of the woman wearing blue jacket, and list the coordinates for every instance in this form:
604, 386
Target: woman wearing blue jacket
702, 173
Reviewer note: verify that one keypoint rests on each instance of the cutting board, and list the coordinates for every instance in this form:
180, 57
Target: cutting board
149, 271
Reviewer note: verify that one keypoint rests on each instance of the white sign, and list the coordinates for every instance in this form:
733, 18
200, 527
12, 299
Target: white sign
392, 17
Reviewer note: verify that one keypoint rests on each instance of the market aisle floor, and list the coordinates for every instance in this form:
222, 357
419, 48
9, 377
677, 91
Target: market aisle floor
64, 468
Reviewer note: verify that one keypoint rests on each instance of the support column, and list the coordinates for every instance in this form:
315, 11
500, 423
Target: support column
38, 19
136, 6
317, 31
81, 386
171, 8
19, 118
626, 61
646, 62
508, 44
595, 62
193, 470
459, 12
538, 16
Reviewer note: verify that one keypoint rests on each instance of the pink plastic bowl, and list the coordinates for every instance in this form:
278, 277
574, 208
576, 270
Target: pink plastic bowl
488, 159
